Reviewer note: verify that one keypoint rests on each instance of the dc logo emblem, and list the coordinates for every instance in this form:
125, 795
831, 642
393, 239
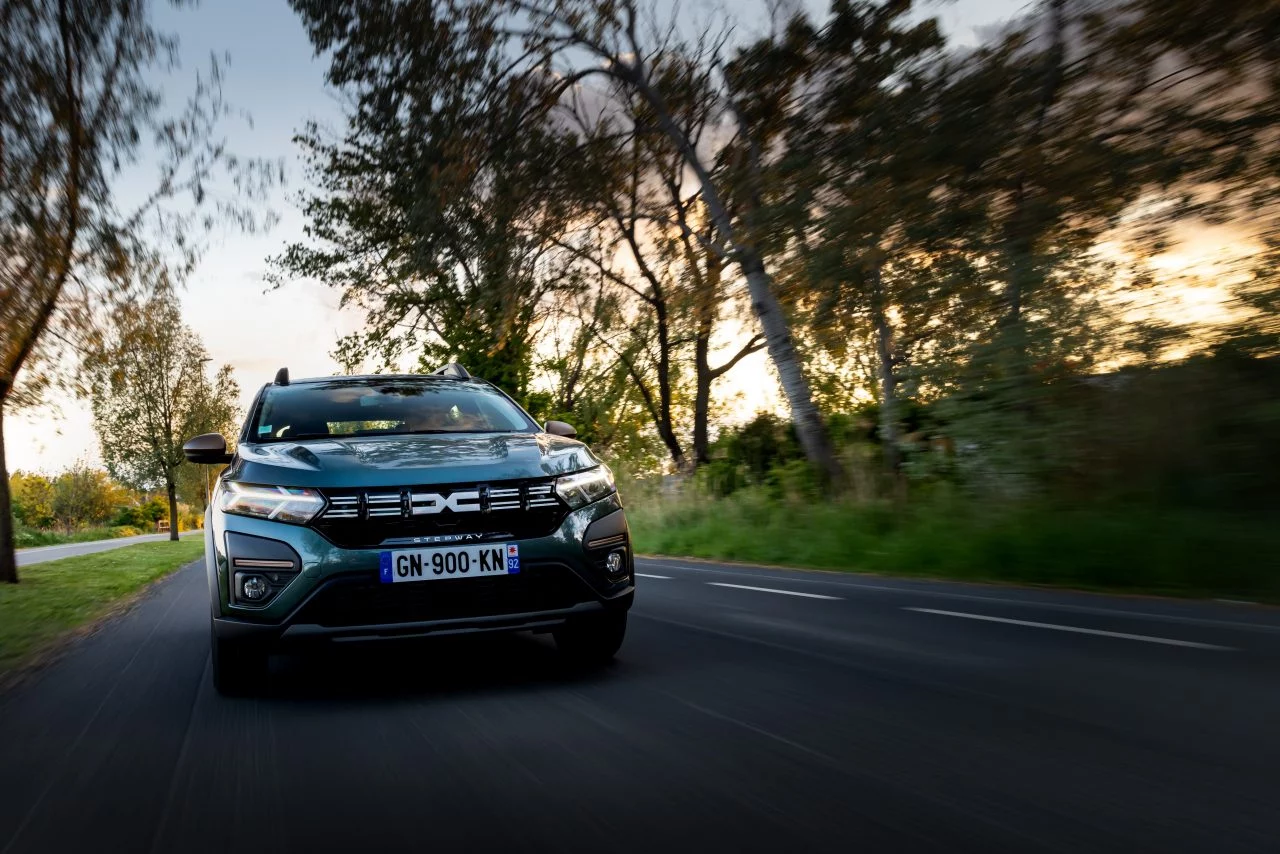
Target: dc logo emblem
427, 503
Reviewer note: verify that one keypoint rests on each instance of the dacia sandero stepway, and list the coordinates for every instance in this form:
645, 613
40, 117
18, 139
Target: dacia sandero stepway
377, 507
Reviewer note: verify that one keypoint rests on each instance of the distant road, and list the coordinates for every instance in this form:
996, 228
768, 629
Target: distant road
41, 554
749, 710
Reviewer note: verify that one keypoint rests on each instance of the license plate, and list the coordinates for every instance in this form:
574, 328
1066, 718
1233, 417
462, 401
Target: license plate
450, 562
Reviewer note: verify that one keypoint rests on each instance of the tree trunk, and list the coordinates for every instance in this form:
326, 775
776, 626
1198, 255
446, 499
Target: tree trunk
666, 424
810, 428
888, 381
672, 442
705, 306
173, 506
8, 560
702, 396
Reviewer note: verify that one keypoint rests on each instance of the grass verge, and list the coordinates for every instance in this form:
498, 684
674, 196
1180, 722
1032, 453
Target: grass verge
35, 537
59, 596
1110, 548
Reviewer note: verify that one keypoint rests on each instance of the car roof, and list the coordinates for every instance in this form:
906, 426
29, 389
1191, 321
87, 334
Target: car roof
376, 378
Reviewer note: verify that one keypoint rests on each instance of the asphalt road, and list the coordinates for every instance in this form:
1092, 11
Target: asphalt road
40, 554
818, 713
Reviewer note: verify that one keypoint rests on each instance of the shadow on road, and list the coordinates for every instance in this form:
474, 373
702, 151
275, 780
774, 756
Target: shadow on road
423, 669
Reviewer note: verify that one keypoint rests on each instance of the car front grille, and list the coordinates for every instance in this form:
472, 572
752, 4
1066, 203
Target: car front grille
364, 601
440, 513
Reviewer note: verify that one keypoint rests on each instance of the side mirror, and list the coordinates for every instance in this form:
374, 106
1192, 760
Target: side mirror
208, 449
559, 428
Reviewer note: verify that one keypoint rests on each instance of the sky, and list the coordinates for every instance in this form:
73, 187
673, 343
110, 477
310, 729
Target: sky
274, 77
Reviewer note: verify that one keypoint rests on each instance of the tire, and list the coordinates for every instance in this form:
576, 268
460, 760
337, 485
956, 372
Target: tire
592, 641
239, 666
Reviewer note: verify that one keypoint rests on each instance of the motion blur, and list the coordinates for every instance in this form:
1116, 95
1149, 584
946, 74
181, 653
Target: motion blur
984, 292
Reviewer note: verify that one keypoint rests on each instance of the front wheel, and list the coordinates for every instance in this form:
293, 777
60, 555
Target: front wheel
239, 666
592, 640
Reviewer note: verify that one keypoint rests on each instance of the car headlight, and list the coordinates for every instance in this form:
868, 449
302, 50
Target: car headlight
278, 503
582, 488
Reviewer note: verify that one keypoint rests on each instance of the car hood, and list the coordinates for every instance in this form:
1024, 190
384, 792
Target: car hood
410, 460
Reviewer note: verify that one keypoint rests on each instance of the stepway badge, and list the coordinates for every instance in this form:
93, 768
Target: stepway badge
513, 559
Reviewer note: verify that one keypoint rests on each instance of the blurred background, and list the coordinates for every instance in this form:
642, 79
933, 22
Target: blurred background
982, 290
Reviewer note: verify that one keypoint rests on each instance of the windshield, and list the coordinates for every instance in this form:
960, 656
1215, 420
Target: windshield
383, 406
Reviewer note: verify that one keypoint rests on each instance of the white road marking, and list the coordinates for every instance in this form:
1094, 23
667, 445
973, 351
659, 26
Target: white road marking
1076, 629
772, 590
917, 588
647, 575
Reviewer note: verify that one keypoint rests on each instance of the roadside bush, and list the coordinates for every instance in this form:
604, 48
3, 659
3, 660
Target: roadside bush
143, 516
1113, 546
32, 498
27, 538
128, 517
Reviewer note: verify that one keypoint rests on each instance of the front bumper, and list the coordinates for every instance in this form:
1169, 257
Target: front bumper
338, 595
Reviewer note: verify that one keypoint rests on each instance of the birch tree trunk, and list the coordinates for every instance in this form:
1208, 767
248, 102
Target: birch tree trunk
888, 381
810, 428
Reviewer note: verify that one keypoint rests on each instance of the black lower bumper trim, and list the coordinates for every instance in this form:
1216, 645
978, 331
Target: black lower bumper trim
501, 623
301, 632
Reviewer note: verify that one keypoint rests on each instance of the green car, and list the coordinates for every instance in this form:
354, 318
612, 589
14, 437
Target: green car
363, 508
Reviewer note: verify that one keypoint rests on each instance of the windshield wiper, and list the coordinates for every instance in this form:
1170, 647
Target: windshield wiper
434, 432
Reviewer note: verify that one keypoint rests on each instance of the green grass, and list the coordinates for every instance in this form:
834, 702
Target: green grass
1118, 548
26, 538
59, 596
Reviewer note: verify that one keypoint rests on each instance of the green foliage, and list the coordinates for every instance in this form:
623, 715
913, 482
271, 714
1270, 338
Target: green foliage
1114, 546
32, 497
59, 596
143, 515
932, 221
151, 393
755, 453
190, 520
83, 100
31, 538
432, 211
83, 496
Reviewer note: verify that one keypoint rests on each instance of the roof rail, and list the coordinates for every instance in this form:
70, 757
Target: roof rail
282, 376
453, 369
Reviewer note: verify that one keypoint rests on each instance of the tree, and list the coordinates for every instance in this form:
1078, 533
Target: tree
588, 386
433, 204
1208, 81
518, 60
856, 189
32, 499
215, 409
150, 395
79, 108
82, 496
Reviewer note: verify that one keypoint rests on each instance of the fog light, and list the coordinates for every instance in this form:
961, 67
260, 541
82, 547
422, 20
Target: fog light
614, 562
253, 587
